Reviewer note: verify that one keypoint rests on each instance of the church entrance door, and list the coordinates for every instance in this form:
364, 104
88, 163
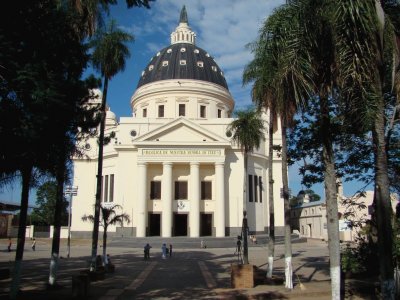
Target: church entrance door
180, 224
154, 224
206, 224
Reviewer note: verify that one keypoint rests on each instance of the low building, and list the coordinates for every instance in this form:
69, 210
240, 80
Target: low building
310, 218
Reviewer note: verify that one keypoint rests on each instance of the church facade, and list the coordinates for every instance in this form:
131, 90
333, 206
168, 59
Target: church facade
172, 166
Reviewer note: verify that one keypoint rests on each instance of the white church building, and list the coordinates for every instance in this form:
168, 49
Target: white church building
172, 165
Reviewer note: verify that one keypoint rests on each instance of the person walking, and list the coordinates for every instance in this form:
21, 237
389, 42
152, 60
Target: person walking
170, 250
9, 244
34, 244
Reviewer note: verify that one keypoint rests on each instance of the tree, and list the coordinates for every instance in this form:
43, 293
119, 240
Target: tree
248, 131
109, 217
109, 56
43, 213
91, 12
281, 73
36, 84
368, 64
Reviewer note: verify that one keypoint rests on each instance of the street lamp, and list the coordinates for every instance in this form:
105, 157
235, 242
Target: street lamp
71, 191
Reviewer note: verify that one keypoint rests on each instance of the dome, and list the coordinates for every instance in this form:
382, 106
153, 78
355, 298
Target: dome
182, 60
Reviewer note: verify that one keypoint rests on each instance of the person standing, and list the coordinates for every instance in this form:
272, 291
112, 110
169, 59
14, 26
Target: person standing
9, 244
147, 251
170, 250
34, 244
164, 251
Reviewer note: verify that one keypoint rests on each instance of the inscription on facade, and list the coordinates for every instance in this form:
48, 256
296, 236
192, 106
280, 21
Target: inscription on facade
180, 152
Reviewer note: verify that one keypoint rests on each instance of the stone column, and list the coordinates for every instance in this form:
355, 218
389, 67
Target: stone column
142, 200
166, 198
219, 214
194, 215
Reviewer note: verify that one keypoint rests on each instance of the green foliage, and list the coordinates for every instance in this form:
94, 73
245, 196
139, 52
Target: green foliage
110, 50
109, 216
46, 197
350, 260
248, 129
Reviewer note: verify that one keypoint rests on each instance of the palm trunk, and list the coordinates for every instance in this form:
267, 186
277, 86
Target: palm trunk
105, 260
383, 207
271, 241
95, 235
244, 224
288, 241
382, 193
55, 248
331, 198
16, 277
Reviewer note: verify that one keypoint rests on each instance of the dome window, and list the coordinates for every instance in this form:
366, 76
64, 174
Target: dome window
214, 68
196, 51
165, 63
158, 53
182, 62
143, 73
169, 50
200, 64
151, 67
183, 49
222, 73
208, 55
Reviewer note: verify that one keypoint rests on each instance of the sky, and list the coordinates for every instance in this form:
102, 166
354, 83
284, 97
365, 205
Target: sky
223, 28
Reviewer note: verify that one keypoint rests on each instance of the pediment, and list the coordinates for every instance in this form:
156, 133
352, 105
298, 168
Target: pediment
178, 131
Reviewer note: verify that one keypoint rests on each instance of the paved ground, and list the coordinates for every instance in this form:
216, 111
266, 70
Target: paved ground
189, 274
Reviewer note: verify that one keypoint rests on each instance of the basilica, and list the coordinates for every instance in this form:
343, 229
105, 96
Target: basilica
172, 166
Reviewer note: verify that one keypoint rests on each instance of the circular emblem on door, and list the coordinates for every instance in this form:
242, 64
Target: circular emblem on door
181, 204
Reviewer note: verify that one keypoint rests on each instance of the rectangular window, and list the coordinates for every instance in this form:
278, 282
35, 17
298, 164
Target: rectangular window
182, 109
161, 111
180, 190
255, 188
206, 190
111, 199
260, 186
144, 112
155, 190
101, 188
202, 111
105, 189
219, 114
250, 185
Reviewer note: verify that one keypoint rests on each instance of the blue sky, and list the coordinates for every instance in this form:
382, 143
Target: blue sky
222, 27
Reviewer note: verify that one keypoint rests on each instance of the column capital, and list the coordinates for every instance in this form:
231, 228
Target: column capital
194, 163
167, 163
142, 163
219, 163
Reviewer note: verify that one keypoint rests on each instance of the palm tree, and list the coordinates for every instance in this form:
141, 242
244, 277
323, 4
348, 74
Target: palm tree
368, 60
255, 71
248, 131
90, 13
281, 74
109, 217
109, 57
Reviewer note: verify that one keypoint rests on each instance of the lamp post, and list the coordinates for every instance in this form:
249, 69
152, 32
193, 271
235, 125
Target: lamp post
71, 191
245, 245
